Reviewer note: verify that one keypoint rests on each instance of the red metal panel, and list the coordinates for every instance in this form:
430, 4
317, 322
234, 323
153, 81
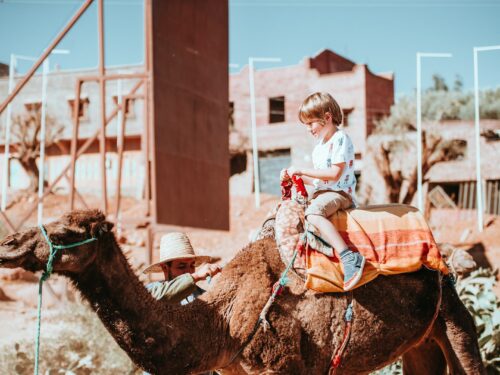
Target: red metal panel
190, 96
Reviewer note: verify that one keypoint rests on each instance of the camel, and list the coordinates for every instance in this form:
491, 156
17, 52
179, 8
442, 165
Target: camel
417, 316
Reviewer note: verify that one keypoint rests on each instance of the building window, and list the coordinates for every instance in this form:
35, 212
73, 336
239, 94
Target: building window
276, 109
231, 115
83, 109
270, 165
345, 116
35, 106
129, 106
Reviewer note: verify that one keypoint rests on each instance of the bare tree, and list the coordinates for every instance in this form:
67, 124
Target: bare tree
26, 128
393, 178
434, 150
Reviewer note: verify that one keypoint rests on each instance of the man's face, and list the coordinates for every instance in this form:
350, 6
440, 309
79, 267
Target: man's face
177, 267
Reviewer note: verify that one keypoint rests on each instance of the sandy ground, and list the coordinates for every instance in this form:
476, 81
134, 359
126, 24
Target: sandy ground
22, 288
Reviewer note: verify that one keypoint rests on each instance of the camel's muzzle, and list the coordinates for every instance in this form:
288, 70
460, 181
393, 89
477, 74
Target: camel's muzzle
11, 256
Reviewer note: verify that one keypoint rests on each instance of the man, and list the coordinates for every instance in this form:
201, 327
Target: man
177, 262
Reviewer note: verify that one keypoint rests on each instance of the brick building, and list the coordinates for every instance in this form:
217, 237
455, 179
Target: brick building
363, 96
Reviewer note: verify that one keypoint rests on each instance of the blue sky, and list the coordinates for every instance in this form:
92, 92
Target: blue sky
385, 34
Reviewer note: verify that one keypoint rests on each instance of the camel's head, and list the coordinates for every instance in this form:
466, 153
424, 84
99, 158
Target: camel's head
29, 249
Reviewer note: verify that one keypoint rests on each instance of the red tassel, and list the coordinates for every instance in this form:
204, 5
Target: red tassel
299, 185
286, 186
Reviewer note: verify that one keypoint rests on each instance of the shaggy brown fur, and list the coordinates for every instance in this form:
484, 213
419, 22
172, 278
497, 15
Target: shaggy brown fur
391, 314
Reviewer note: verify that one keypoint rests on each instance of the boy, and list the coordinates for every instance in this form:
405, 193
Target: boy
332, 177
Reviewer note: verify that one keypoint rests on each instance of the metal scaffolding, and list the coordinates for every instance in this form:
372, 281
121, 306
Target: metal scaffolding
143, 82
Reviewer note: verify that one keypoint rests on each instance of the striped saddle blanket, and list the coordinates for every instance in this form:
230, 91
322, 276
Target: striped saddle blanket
394, 238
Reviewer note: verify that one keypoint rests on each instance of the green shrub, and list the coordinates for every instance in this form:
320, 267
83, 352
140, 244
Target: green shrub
476, 292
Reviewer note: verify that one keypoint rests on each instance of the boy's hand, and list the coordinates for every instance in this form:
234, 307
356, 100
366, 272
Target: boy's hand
294, 171
284, 176
205, 270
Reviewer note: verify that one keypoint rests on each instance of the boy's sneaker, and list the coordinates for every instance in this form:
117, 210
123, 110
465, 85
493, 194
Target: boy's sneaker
353, 267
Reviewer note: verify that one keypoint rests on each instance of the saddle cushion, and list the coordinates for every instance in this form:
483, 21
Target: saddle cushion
288, 227
394, 238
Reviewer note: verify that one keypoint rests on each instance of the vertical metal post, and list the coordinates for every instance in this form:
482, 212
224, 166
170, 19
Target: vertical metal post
121, 112
146, 145
41, 174
479, 191
102, 91
149, 246
41, 177
74, 142
420, 199
120, 142
479, 203
149, 159
255, 149
8, 121
146, 105
120, 128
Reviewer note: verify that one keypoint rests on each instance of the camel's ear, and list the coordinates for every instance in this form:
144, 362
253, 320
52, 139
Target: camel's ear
100, 228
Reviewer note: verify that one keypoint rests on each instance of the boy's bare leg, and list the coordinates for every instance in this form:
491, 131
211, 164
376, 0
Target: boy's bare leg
328, 231
353, 262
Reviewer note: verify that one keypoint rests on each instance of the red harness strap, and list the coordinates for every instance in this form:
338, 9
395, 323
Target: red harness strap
337, 356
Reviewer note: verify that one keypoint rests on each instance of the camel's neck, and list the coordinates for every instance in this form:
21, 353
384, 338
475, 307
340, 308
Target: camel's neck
156, 336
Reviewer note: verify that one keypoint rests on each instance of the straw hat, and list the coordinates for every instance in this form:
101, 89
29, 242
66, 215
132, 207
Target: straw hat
174, 246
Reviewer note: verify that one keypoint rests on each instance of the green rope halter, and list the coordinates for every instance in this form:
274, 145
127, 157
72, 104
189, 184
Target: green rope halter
45, 275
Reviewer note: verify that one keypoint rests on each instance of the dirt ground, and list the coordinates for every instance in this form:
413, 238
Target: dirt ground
18, 290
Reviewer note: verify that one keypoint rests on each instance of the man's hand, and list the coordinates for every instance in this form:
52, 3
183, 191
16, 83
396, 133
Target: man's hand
205, 270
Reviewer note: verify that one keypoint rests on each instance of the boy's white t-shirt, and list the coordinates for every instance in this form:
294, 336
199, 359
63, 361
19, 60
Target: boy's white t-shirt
338, 149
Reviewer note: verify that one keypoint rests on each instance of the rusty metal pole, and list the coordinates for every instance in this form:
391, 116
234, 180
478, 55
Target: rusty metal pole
146, 105
150, 159
102, 90
121, 144
146, 144
149, 247
80, 152
47, 52
111, 77
74, 142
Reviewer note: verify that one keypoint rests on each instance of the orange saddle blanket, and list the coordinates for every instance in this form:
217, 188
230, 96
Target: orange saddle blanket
394, 238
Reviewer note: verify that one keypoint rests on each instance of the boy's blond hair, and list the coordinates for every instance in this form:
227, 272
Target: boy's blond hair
315, 107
